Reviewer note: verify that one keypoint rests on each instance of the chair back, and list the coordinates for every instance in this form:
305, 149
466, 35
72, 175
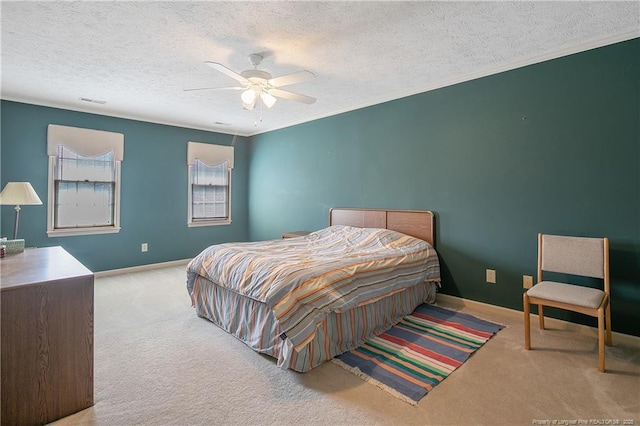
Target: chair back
583, 256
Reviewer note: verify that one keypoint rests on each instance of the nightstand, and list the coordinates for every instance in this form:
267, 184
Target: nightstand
295, 234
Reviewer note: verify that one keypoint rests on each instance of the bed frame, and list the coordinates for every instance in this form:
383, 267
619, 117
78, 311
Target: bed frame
416, 223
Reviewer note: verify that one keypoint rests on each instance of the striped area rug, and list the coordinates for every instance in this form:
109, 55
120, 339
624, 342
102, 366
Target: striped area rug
419, 352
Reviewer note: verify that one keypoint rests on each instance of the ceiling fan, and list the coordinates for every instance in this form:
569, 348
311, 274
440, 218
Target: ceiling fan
258, 84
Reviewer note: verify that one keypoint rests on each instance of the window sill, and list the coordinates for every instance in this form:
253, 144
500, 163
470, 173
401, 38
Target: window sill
83, 231
216, 223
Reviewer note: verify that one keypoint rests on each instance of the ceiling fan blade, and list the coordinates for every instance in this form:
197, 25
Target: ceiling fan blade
292, 96
219, 67
215, 88
293, 78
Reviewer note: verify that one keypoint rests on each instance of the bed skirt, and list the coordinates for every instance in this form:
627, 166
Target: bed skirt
253, 323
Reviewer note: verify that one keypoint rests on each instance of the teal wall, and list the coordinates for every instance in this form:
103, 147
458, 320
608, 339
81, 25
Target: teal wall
153, 195
552, 147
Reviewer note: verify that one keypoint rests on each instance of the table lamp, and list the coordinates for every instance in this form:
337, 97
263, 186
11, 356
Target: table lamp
18, 193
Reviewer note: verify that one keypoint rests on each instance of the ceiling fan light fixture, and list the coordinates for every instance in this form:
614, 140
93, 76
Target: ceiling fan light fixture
248, 97
268, 100
260, 86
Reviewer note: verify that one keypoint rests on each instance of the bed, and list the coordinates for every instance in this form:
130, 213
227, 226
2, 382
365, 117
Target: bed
306, 299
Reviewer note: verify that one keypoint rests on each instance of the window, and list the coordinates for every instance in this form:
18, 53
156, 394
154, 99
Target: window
84, 181
210, 191
84, 189
209, 200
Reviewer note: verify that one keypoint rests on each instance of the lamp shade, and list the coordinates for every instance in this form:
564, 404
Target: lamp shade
267, 99
19, 194
249, 106
248, 96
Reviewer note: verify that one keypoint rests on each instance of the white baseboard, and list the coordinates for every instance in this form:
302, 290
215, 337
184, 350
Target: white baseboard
140, 268
458, 302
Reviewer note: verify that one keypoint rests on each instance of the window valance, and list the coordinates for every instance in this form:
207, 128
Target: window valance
209, 154
85, 142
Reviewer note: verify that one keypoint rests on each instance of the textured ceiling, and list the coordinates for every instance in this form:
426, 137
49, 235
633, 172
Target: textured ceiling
139, 56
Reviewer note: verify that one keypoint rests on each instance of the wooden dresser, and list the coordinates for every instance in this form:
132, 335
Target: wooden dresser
47, 336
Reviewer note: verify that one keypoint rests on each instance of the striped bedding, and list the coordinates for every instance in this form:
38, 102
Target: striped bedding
301, 281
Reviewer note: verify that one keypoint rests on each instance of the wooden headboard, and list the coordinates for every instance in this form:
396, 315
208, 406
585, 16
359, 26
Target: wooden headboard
417, 223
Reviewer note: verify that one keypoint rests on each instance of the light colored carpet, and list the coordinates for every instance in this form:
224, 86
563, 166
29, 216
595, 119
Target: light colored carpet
157, 363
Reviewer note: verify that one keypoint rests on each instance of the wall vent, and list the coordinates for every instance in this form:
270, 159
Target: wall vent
93, 101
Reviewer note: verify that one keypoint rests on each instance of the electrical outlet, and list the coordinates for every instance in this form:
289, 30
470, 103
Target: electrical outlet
527, 281
491, 276
144, 247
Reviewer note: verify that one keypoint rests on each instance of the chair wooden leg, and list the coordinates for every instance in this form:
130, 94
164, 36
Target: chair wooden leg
527, 325
607, 313
541, 316
601, 340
